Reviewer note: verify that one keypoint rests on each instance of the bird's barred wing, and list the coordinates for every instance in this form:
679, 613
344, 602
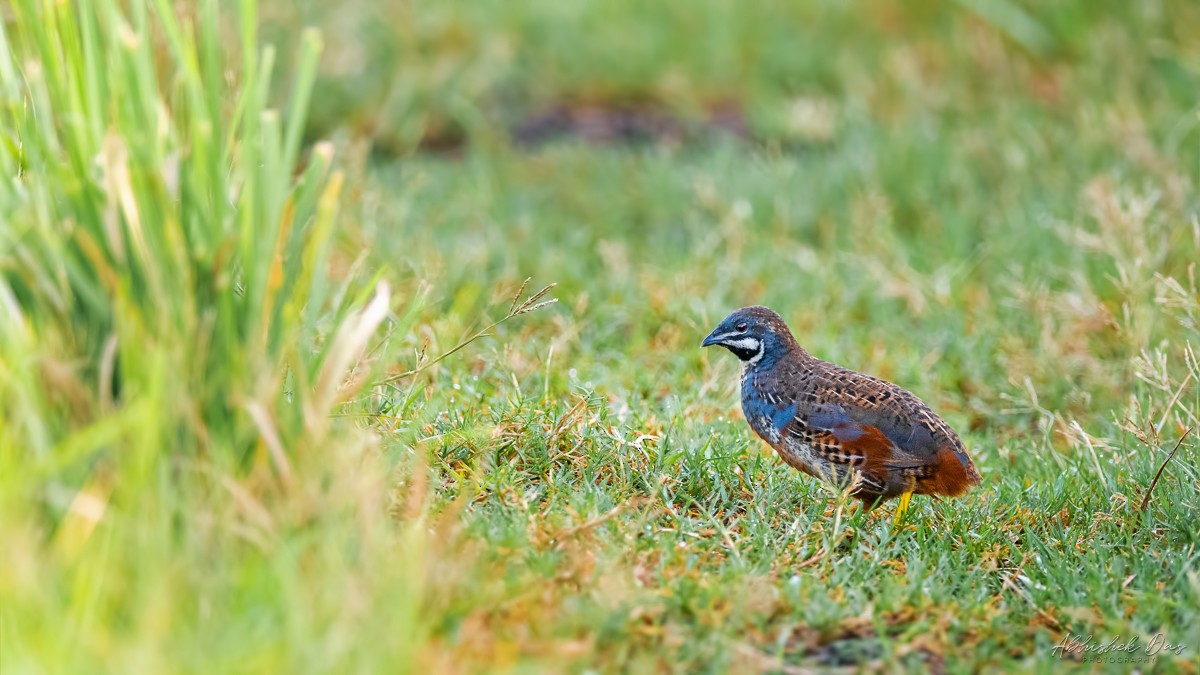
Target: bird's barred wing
835, 420
823, 440
917, 462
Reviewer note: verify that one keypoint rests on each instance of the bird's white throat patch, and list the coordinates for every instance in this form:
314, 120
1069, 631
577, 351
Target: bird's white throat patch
747, 345
757, 356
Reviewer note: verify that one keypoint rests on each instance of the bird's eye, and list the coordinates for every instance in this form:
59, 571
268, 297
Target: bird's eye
741, 327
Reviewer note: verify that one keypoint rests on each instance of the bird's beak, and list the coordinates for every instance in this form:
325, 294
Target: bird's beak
711, 340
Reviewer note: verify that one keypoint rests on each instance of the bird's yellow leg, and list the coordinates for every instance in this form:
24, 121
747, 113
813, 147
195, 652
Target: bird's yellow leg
902, 507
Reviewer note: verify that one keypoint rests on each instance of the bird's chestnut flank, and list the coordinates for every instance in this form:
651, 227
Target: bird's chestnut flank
837, 424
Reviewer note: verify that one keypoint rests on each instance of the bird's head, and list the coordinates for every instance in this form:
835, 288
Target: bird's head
753, 334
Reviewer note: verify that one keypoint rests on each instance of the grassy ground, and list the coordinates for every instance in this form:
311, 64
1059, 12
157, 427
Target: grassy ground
992, 206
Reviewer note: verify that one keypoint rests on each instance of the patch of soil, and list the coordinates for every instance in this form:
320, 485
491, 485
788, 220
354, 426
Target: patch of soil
605, 123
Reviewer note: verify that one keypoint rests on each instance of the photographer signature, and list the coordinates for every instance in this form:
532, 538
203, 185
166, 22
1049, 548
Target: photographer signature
1078, 644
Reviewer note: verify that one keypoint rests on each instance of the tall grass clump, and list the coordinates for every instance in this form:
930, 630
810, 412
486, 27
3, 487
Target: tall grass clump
171, 339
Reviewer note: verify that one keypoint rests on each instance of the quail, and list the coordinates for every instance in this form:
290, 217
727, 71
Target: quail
838, 425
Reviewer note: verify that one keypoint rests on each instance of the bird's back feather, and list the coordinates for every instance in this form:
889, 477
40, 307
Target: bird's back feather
830, 421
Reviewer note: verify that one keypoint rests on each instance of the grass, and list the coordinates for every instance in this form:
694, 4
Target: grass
215, 454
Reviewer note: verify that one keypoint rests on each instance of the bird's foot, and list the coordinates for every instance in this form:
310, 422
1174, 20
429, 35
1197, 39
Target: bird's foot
902, 507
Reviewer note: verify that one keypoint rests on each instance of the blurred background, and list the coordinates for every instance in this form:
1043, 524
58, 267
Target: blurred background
871, 169
783, 74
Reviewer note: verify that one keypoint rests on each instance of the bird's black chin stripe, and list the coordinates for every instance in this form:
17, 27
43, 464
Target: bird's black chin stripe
742, 353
